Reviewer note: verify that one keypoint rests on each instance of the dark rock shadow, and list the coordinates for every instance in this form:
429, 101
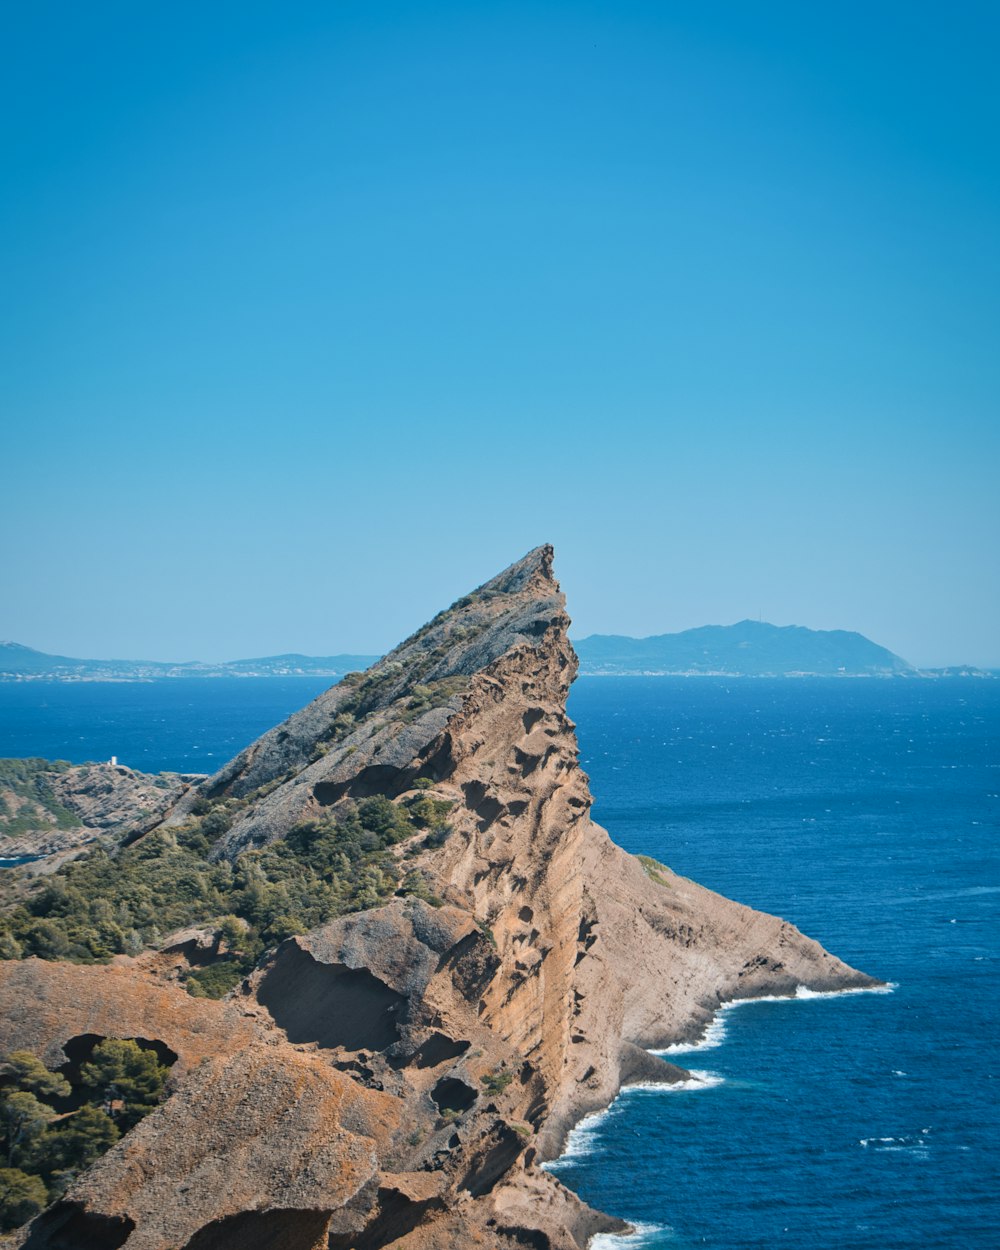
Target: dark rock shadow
263, 1230
329, 1004
68, 1226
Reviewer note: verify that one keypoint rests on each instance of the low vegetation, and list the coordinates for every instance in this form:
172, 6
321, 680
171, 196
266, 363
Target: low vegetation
656, 871
496, 1082
27, 800
53, 1125
121, 902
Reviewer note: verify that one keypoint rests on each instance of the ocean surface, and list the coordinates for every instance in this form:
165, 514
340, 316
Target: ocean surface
866, 812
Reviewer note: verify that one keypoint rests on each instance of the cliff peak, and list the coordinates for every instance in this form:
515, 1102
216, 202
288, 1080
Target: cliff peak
381, 729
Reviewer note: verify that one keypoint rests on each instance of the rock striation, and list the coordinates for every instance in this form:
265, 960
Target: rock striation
395, 1077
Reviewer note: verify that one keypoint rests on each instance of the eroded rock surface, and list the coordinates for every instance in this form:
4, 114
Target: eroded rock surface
395, 1077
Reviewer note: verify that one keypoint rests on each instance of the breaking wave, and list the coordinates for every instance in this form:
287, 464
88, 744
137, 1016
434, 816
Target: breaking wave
631, 1241
582, 1139
715, 1033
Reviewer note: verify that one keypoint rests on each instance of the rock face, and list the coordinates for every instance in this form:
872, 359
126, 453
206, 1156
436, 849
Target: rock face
395, 1077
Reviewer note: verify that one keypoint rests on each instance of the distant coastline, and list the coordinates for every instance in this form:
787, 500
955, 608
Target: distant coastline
749, 649
21, 663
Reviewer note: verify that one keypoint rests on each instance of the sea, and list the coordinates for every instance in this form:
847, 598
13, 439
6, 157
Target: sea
865, 812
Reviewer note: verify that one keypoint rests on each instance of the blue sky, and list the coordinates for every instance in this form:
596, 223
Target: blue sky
316, 315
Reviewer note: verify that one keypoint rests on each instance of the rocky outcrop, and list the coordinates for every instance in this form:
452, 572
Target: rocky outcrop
102, 798
395, 1077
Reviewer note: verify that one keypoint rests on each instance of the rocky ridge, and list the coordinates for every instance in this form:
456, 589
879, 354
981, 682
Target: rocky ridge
395, 1077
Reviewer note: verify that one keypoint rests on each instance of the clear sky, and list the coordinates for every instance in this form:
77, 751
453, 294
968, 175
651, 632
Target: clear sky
315, 315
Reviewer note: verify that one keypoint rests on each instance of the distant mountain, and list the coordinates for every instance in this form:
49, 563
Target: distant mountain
20, 663
748, 649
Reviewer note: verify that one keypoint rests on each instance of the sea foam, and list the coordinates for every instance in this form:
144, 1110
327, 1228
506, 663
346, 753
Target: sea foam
803, 991
580, 1142
700, 1079
713, 1036
643, 1235
715, 1033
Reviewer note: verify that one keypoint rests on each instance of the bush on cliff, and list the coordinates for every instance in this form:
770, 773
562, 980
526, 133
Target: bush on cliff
103, 905
22, 1196
52, 1128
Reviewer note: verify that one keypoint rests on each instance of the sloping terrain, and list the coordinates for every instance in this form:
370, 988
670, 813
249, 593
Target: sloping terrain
48, 806
395, 1075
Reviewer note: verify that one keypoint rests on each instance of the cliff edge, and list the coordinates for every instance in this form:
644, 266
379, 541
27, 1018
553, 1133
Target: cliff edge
394, 1077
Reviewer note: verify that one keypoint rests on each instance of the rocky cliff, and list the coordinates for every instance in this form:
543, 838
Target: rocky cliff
395, 1077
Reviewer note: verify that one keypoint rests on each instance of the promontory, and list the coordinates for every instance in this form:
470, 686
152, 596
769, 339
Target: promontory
389, 959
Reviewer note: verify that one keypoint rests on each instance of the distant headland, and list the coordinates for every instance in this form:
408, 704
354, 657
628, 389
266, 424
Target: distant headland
747, 649
751, 649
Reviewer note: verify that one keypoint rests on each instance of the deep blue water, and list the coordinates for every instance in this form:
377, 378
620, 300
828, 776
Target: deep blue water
864, 811
184, 724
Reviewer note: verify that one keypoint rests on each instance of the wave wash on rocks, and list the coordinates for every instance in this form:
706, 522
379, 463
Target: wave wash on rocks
397, 1076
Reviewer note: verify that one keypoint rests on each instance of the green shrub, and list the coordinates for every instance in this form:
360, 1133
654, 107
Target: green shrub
22, 1196
654, 869
216, 980
100, 905
30, 780
496, 1082
125, 1078
45, 1150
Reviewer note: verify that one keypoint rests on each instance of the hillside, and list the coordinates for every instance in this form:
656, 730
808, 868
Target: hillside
48, 806
747, 649
439, 964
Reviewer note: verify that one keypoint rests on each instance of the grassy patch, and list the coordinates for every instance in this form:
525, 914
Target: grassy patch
656, 871
30, 781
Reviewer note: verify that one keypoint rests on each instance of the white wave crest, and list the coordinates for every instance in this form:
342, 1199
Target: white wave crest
713, 1036
803, 991
580, 1141
715, 1032
914, 1144
699, 1079
629, 1241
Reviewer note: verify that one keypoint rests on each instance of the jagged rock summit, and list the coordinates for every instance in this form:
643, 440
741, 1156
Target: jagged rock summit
395, 1077
376, 732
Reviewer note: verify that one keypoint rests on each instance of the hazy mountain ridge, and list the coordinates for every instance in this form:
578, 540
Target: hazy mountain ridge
747, 649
